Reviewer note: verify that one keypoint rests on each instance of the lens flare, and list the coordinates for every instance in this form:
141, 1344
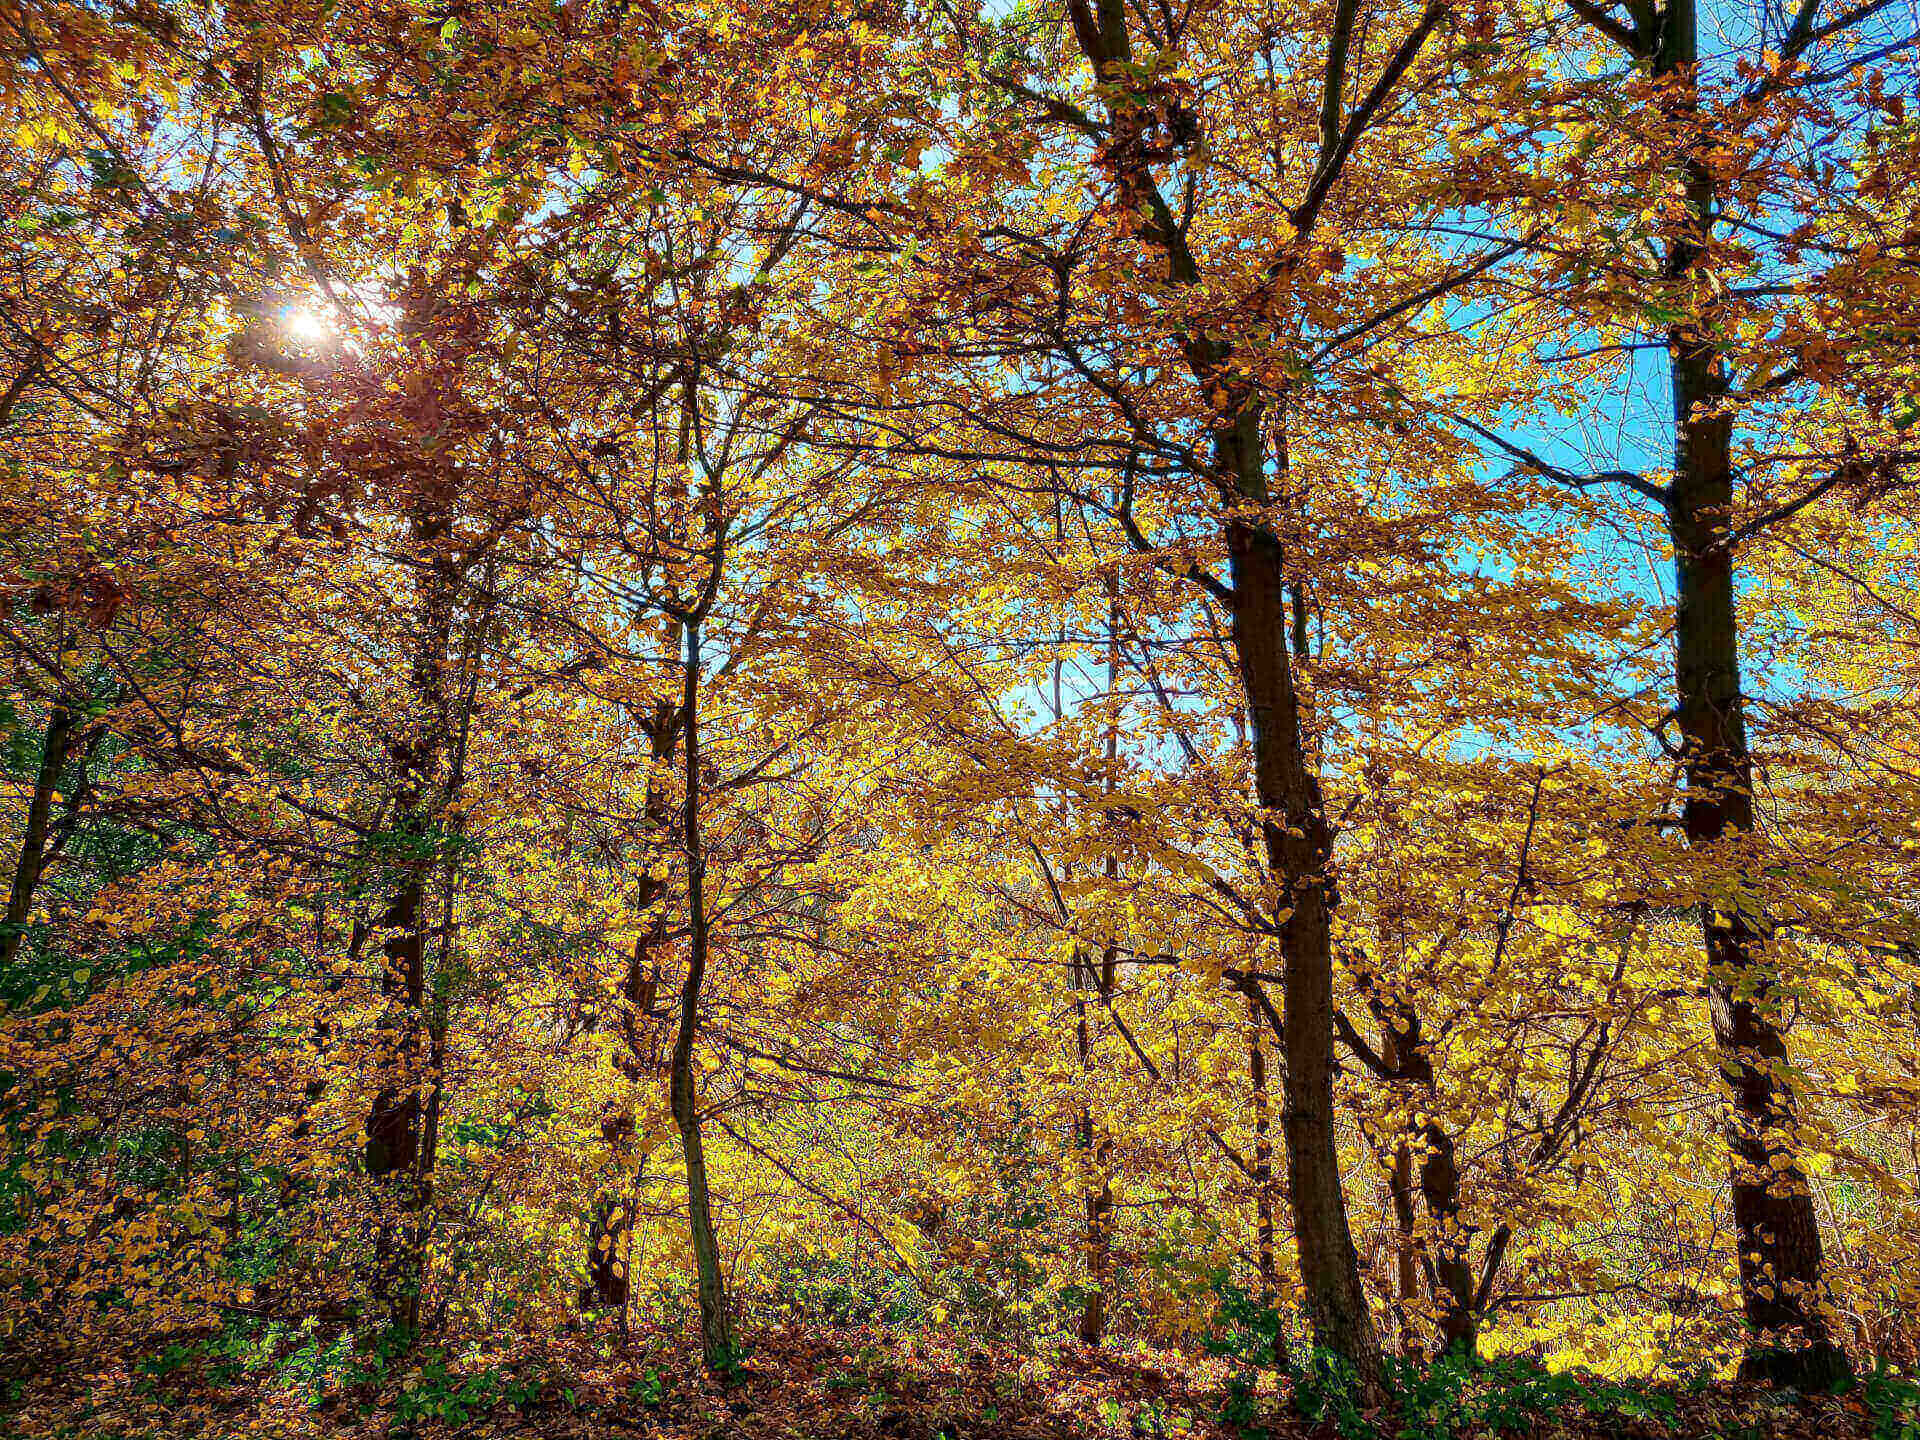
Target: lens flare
306, 326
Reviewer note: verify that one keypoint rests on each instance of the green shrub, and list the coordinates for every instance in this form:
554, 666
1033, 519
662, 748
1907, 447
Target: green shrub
649, 1388
1893, 1402
442, 1393
1456, 1396
1326, 1391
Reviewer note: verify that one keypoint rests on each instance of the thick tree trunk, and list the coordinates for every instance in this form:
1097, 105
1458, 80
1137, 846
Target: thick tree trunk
716, 1331
393, 1148
410, 1049
393, 1121
1453, 1276
1781, 1282
56, 748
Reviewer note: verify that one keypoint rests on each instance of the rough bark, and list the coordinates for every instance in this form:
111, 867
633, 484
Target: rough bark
1781, 1263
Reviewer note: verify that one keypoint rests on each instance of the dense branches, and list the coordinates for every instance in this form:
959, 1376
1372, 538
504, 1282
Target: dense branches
854, 656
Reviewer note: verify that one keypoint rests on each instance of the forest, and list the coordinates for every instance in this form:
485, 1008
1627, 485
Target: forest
960, 719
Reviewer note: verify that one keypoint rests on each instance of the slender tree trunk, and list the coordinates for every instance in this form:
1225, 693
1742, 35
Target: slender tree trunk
1781, 1264
716, 1333
1263, 1183
420, 1202
1099, 1203
1093, 1314
1447, 1250
55, 749
610, 1238
1299, 846
1096, 1149
1298, 839
439, 1022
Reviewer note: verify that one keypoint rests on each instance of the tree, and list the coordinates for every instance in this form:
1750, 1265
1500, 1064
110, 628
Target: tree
1732, 206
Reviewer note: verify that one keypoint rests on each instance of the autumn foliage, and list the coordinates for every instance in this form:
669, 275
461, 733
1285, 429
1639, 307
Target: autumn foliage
1188, 679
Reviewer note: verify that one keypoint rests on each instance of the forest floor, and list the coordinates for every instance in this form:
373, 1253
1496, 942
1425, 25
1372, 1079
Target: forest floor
815, 1383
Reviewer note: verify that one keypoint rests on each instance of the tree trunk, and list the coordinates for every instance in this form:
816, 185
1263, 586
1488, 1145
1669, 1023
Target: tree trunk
1298, 839
1406, 1255
1406, 1250
393, 1122
1093, 1314
716, 1333
1093, 1311
1263, 1184
1299, 846
1447, 1251
1453, 1276
55, 748
610, 1238
394, 1119
409, 1053
1781, 1281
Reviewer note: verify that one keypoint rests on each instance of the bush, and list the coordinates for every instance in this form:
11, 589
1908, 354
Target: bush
1893, 1401
1457, 1396
439, 1392
1326, 1391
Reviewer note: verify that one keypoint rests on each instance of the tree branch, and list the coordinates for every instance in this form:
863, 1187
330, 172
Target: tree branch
1335, 161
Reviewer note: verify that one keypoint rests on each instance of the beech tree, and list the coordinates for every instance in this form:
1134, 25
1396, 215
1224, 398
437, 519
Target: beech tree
1735, 174
1051, 643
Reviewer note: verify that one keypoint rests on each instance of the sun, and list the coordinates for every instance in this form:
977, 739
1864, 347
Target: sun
305, 325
